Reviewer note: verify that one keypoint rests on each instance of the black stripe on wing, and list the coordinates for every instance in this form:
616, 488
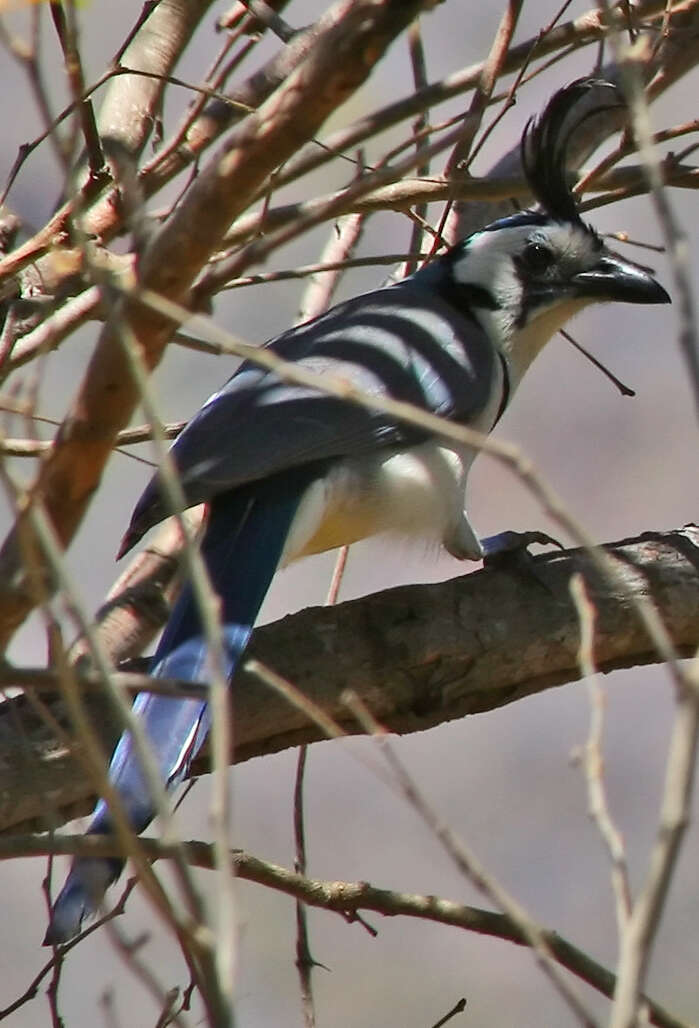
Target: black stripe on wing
404, 342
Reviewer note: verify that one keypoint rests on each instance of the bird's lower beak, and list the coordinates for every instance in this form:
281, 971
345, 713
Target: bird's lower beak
613, 278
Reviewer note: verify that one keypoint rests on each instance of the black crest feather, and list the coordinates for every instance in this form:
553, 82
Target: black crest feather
546, 141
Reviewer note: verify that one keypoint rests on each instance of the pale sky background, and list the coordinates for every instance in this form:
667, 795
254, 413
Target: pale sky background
503, 780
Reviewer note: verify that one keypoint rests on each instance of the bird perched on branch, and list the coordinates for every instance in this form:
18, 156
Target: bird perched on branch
288, 470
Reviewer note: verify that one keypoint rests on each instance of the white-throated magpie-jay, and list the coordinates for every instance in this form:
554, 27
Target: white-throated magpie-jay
288, 471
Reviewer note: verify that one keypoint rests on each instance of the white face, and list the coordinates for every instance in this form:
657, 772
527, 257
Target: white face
525, 269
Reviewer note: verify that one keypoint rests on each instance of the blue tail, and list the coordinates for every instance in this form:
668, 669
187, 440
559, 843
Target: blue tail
242, 546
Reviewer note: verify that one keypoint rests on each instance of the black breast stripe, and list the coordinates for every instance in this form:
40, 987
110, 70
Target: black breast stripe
505, 388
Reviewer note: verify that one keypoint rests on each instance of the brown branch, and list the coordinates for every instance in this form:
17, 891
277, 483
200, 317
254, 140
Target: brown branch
417, 656
462, 156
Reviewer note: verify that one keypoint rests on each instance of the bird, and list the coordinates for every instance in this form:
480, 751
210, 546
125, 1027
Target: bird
288, 470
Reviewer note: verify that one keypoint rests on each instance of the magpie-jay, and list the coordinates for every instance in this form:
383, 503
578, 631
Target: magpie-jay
288, 471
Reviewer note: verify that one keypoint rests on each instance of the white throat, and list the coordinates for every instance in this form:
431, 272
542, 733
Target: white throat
520, 346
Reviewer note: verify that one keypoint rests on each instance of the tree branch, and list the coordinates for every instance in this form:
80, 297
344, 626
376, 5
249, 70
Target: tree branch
417, 656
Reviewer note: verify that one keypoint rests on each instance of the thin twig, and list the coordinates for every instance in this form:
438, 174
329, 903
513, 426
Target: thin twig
594, 761
621, 386
66, 28
336, 257
304, 961
458, 1008
457, 164
420, 125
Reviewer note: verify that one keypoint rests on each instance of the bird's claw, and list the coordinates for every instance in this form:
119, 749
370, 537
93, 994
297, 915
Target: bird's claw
510, 550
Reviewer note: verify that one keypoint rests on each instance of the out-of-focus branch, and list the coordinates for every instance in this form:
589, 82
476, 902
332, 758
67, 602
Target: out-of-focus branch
459, 160
219, 115
417, 656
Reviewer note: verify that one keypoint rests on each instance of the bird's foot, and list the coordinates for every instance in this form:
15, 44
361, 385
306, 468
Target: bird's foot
510, 550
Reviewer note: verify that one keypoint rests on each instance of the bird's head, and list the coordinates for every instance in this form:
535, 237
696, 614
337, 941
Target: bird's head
524, 276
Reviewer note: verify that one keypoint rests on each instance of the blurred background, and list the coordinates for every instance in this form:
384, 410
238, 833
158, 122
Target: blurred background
504, 781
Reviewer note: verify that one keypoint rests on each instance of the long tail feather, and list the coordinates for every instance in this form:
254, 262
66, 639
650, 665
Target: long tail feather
242, 546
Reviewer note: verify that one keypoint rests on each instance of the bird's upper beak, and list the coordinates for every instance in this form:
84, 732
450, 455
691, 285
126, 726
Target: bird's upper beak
614, 278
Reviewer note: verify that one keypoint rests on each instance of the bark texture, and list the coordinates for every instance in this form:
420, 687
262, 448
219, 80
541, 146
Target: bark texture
416, 655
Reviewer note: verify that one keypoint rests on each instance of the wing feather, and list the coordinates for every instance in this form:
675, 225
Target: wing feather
402, 341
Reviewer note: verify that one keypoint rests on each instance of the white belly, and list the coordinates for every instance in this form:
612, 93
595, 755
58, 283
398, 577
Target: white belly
419, 493
416, 493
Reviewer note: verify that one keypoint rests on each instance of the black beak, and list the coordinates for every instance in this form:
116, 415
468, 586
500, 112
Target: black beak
614, 278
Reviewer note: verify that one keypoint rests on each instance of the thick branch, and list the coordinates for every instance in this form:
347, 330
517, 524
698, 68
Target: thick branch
417, 655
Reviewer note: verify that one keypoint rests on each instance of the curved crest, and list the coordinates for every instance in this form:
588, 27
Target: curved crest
545, 141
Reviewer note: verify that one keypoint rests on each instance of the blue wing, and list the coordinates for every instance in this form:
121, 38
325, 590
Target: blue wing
403, 341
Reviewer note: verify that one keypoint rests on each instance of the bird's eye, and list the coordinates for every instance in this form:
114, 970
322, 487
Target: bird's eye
538, 257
